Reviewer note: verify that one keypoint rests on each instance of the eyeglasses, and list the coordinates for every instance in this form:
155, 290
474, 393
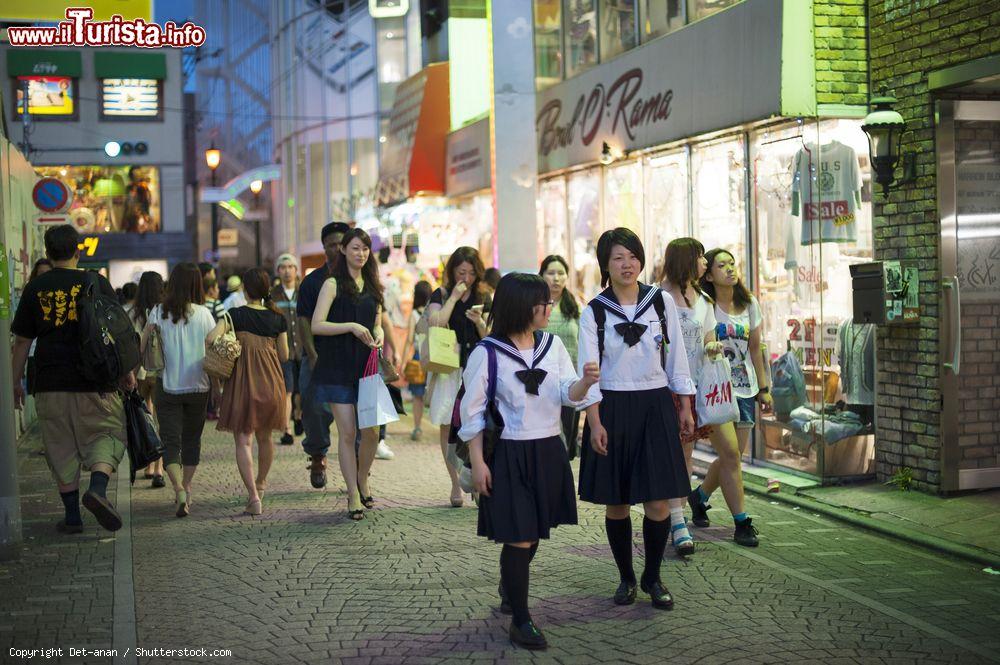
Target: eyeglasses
547, 303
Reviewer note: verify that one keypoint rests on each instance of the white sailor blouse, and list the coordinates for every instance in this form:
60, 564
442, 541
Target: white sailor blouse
532, 387
632, 343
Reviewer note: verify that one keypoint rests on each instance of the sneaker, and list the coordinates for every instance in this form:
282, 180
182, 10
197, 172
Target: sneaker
746, 534
699, 510
528, 636
682, 540
416, 434
286, 439
383, 451
317, 471
102, 509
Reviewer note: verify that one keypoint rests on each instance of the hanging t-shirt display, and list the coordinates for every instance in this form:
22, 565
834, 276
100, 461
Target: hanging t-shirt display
856, 348
826, 192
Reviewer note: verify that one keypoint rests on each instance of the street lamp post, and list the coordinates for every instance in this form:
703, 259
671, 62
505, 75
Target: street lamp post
256, 186
213, 157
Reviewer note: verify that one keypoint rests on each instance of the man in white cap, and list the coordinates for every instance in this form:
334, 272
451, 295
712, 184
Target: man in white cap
285, 296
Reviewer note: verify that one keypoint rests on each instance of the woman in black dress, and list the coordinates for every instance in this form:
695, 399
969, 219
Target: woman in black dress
633, 428
523, 376
459, 304
347, 326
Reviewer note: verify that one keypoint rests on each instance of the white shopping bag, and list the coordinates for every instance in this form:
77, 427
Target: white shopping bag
715, 402
375, 405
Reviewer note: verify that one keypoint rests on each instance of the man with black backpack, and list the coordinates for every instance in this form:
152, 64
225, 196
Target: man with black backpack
84, 355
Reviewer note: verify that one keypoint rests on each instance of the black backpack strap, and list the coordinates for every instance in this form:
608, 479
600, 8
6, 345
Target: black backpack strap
661, 311
600, 317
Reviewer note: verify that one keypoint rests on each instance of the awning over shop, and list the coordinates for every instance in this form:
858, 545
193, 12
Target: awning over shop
43, 62
119, 65
415, 146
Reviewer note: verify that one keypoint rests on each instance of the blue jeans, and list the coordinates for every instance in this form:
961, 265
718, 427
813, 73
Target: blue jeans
316, 417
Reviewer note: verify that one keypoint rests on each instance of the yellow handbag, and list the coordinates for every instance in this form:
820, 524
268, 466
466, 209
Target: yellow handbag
442, 351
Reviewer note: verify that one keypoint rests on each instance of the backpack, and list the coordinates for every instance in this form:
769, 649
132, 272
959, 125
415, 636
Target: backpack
494, 421
600, 316
109, 344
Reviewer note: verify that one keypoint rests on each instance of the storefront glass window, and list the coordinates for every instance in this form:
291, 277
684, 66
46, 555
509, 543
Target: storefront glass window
617, 27
623, 196
666, 204
583, 198
811, 195
659, 17
111, 199
552, 227
548, 43
581, 35
698, 9
719, 198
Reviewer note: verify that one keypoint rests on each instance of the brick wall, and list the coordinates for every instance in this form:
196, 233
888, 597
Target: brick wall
908, 38
841, 55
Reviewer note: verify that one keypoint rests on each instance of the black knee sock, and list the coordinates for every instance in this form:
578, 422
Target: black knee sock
620, 540
99, 483
533, 550
654, 535
514, 563
71, 502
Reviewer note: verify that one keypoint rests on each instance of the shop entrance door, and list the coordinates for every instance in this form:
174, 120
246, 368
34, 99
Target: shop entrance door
968, 142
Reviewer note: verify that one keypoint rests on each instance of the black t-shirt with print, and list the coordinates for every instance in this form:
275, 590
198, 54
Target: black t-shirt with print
47, 312
260, 322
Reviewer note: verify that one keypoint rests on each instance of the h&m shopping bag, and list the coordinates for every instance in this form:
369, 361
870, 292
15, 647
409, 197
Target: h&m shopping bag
375, 405
715, 402
442, 350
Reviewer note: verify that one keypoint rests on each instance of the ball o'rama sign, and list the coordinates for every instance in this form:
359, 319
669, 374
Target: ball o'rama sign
52, 197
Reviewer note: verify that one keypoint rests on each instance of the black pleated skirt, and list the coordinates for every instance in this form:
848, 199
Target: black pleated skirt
532, 491
645, 461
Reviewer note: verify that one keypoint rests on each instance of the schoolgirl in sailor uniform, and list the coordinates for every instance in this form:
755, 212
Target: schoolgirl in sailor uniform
525, 483
633, 427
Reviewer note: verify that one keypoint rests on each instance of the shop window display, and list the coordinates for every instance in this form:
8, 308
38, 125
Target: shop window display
552, 227
666, 206
623, 196
583, 206
659, 17
111, 199
548, 43
811, 194
698, 9
719, 197
618, 29
581, 35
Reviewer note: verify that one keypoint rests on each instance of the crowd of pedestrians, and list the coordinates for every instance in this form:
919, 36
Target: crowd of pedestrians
529, 361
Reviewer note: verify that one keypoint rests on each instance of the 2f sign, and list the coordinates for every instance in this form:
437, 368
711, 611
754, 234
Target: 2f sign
388, 8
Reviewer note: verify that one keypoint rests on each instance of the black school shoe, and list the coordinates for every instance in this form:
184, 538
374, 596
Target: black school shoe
505, 607
528, 636
746, 534
699, 510
625, 594
662, 600
102, 509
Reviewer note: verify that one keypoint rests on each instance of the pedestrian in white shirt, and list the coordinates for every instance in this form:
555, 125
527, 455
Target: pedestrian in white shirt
522, 377
181, 393
633, 428
236, 297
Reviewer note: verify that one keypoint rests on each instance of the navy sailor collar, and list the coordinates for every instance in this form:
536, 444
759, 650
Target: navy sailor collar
543, 342
609, 301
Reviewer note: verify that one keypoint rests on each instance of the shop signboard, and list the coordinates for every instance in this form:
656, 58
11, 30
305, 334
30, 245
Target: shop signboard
711, 75
467, 168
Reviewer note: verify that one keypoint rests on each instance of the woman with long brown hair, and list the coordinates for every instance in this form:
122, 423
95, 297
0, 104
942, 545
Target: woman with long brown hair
459, 304
739, 329
346, 325
182, 388
253, 398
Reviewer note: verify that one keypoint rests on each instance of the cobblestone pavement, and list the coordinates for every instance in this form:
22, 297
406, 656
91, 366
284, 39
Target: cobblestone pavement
413, 584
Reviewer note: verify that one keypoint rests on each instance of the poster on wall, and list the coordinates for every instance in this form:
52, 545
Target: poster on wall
47, 95
130, 98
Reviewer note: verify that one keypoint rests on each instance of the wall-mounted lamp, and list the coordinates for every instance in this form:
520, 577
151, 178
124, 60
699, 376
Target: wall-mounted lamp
884, 127
610, 155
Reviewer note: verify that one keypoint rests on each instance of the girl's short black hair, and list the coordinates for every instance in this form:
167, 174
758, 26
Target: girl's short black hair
619, 236
514, 303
